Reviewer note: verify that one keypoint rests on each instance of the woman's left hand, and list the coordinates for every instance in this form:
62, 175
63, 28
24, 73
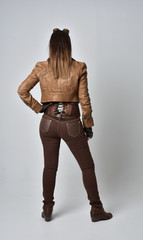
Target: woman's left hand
88, 132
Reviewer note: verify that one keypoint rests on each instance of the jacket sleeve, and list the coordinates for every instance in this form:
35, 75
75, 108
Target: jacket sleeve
84, 98
25, 87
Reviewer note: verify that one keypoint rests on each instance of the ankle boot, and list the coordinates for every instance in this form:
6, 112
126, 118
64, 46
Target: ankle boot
98, 213
47, 212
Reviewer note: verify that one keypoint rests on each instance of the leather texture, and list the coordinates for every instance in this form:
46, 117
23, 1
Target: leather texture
73, 89
45, 124
98, 213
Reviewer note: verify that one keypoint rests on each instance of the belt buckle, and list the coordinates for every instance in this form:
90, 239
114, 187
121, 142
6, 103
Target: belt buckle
59, 110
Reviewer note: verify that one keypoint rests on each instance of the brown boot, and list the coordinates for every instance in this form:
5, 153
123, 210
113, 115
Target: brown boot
47, 212
98, 213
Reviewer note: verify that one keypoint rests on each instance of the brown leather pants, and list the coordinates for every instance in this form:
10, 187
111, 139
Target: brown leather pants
51, 131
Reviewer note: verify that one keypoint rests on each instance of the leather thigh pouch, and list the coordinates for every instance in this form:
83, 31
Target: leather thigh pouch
73, 128
45, 125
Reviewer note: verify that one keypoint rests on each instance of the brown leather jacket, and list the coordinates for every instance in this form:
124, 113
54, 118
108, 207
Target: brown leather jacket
73, 89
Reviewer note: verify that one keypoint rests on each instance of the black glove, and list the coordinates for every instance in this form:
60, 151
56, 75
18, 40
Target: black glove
88, 131
44, 107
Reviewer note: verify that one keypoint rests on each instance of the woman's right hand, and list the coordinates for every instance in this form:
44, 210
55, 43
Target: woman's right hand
45, 106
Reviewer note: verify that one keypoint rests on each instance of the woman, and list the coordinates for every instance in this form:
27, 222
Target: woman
63, 83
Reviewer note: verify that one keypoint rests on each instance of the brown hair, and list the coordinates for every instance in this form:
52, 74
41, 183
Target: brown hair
60, 53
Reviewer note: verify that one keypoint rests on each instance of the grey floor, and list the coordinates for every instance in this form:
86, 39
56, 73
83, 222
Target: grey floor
21, 205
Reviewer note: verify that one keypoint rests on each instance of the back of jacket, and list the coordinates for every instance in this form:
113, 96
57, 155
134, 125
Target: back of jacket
72, 89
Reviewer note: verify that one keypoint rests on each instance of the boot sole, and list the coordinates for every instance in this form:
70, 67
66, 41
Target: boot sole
94, 219
47, 219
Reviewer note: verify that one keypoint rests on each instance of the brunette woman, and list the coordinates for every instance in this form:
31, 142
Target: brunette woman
63, 82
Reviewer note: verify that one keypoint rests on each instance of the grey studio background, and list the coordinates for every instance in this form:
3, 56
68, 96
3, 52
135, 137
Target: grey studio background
108, 36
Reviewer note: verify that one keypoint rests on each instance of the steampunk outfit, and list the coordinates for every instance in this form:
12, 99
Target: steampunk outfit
60, 100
